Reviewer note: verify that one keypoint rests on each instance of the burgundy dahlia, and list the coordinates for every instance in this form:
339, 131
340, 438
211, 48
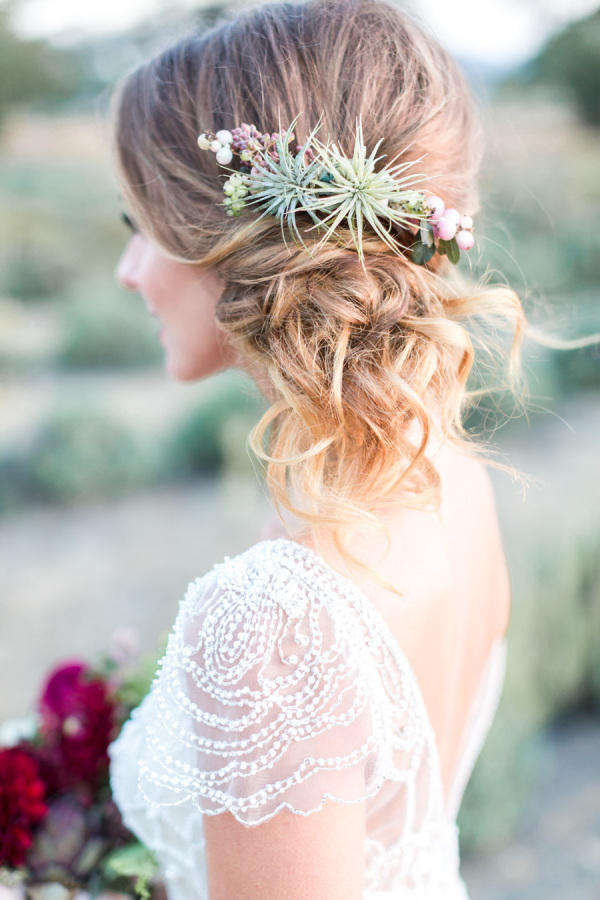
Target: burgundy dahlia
21, 804
77, 716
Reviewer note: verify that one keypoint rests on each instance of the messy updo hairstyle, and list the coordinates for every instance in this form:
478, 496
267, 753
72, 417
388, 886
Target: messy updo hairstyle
348, 357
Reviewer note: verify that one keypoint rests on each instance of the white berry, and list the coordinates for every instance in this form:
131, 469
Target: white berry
203, 142
437, 206
224, 155
224, 136
466, 222
453, 215
446, 227
465, 240
215, 145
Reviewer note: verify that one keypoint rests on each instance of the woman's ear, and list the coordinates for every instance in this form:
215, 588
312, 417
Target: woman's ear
227, 298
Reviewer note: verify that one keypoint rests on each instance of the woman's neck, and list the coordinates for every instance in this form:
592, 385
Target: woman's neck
437, 450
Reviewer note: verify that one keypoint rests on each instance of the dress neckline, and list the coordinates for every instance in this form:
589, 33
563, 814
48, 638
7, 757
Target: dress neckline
496, 651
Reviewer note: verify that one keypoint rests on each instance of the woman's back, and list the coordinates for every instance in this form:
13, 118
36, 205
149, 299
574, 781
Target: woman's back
453, 571
460, 601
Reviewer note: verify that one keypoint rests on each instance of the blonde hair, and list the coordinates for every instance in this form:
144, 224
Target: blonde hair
349, 357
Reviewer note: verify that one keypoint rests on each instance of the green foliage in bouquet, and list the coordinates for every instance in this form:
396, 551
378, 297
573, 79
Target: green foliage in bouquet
133, 861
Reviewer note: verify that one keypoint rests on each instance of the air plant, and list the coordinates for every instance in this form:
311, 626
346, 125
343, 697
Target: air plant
332, 188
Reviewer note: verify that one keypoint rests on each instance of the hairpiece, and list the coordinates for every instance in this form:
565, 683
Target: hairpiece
319, 179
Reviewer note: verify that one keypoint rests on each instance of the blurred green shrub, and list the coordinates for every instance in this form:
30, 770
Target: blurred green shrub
32, 71
63, 206
571, 58
14, 481
553, 630
588, 589
106, 328
578, 370
510, 766
81, 453
553, 667
498, 407
198, 443
579, 257
31, 271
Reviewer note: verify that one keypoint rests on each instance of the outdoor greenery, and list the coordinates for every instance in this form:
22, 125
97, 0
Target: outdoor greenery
32, 71
553, 668
197, 444
81, 454
571, 60
104, 329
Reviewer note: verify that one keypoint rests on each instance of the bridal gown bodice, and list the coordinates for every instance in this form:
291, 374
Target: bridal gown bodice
281, 687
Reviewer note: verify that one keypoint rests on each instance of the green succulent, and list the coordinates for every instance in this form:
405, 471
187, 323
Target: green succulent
340, 187
357, 193
281, 187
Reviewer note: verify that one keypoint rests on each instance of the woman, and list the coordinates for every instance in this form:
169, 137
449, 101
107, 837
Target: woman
325, 693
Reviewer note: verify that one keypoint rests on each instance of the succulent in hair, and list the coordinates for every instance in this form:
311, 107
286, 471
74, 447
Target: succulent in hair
318, 178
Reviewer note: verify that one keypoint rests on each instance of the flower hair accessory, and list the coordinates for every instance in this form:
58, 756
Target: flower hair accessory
319, 179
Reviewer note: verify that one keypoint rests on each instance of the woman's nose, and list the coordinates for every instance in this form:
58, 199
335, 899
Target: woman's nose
126, 272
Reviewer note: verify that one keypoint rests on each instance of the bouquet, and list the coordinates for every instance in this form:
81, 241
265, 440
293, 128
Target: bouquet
61, 834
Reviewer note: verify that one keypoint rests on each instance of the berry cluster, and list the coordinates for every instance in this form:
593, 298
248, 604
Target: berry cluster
219, 143
254, 149
443, 231
449, 223
246, 141
235, 189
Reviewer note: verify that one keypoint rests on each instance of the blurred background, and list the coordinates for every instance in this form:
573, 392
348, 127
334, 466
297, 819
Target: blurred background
119, 486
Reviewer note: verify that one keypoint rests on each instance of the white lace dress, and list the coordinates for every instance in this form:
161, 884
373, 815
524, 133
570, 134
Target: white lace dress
282, 686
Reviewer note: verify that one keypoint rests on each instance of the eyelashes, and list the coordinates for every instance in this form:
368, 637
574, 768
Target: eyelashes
129, 223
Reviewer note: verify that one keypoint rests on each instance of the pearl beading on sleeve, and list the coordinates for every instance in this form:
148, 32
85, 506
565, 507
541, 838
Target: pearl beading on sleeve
281, 687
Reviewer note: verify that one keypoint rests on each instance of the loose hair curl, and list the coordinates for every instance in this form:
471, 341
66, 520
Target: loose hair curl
348, 357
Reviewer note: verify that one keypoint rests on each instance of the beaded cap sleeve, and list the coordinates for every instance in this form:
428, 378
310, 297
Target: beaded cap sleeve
276, 692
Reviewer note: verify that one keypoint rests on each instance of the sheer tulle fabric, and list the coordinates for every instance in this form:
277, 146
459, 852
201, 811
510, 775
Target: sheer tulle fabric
280, 688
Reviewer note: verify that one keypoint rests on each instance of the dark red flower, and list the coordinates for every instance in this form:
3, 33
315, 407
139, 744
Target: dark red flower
21, 804
77, 723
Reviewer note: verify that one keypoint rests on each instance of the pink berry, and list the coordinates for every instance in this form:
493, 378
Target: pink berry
446, 228
436, 204
453, 215
465, 240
